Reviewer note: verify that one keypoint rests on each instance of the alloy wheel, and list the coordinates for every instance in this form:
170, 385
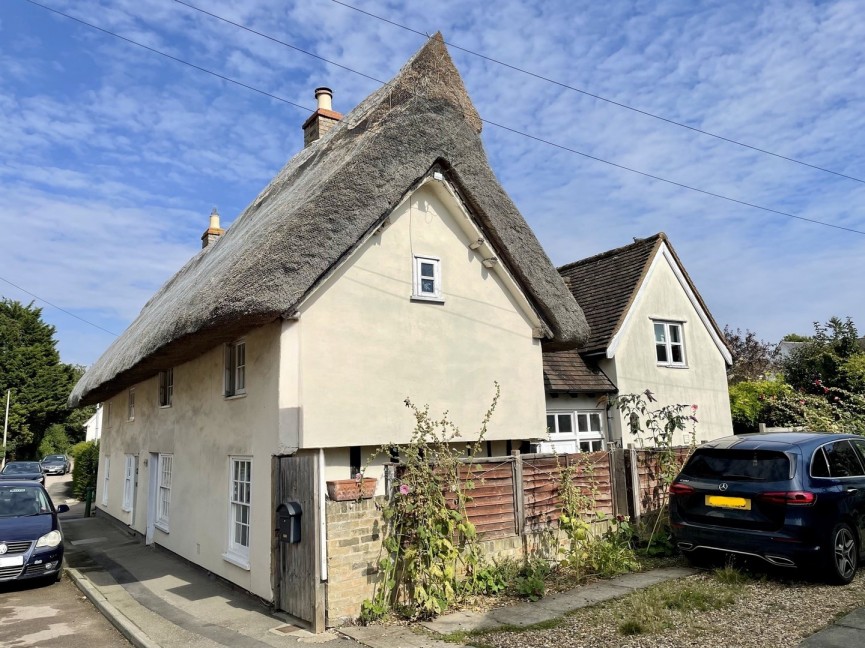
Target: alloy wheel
845, 553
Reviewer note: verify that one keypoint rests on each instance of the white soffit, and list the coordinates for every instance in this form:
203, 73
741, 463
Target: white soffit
664, 253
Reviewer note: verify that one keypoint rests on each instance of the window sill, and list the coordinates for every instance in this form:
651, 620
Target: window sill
162, 526
235, 396
126, 509
666, 365
433, 299
236, 560
165, 406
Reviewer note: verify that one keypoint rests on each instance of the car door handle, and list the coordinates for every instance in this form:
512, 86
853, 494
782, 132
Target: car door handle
852, 490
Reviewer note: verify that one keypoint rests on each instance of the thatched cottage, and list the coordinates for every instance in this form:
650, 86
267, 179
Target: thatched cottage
384, 261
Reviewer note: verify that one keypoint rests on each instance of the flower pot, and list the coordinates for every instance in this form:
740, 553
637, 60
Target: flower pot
344, 490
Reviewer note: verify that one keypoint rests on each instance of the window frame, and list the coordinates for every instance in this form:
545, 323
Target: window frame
668, 343
235, 371
128, 482
163, 516
575, 435
418, 278
130, 404
236, 552
166, 388
106, 467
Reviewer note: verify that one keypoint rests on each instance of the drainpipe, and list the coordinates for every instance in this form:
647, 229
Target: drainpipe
322, 513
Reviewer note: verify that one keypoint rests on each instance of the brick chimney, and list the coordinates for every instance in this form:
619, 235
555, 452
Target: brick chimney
323, 119
213, 232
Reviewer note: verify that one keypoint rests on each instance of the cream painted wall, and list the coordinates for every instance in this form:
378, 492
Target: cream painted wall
703, 382
365, 345
202, 429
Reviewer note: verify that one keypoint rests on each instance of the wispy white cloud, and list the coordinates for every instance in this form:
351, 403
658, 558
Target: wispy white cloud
112, 156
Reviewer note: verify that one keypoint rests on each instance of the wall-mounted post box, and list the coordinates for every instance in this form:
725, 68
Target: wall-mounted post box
288, 516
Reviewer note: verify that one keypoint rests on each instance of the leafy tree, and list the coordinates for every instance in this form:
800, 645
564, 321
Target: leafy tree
754, 401
55, 441
795, 337
817, 363
30, 367
753, 359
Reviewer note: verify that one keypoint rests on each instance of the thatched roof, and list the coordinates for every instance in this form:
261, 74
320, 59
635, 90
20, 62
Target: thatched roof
315, 212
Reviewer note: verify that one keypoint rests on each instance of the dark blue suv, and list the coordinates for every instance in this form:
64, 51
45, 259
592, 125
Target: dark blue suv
794, 499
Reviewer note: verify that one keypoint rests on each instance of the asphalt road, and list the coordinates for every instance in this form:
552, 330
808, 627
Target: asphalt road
45, 616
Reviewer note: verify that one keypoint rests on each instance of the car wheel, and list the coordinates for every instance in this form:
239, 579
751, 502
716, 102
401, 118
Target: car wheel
842, 554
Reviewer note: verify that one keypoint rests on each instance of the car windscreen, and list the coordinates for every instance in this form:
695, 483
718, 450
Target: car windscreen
17, 501
54, 459
21, 468
738, 465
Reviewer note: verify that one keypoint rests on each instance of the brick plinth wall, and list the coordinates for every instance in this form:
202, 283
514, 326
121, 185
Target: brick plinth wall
354, 537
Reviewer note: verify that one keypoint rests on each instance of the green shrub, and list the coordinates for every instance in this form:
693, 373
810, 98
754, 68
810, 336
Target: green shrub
55, 441
86, 455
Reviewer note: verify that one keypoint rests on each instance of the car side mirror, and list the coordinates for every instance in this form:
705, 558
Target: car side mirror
63, 508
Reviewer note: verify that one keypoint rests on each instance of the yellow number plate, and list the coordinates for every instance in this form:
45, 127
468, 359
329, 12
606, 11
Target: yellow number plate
740, 503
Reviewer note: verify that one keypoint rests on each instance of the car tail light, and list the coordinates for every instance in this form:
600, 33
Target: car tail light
792, 498
681, 489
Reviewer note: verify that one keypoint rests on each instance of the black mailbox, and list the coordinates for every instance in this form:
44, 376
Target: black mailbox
288, 522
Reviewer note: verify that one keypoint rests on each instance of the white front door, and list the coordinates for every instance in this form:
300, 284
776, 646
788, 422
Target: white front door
153, 468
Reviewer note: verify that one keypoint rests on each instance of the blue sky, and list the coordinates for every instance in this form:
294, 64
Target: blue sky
111, 157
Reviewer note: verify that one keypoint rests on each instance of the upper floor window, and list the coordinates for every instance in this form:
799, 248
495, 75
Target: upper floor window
166, 387
669, 344
130, 404
235, 368
427, 278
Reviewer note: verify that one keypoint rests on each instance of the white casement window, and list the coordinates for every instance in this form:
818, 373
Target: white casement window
166, 387
130, 404
235, 368
106, 467
128, 482
669, 344
163, 501
586, 436
427, 278
240, 484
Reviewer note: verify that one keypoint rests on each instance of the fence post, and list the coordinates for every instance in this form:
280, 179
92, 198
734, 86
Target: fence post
636, 486
618, 482
519, 493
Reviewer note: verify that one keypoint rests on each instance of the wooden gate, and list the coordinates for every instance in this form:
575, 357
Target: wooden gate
297, 585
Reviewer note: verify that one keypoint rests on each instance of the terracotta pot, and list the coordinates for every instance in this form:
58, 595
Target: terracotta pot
343, 490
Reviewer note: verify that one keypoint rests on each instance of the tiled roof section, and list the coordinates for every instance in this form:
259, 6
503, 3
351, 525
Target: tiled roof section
567, 371
605, 286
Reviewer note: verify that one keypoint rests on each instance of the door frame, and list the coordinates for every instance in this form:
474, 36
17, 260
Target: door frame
153, 467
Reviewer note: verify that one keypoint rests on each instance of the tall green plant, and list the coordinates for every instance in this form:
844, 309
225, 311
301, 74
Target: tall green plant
431, 556
86, 457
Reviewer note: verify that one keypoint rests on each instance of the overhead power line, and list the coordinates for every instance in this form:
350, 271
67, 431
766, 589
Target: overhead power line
63, 310
486, 121
597, 96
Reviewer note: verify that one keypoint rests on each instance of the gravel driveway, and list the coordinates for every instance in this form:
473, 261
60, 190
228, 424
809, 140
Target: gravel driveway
771, 611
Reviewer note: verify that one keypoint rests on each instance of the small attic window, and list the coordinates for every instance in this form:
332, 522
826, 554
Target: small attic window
427, 279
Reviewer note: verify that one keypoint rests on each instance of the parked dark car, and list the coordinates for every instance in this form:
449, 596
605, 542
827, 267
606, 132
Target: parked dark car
27, 470
31, 542
55, 464
791, 499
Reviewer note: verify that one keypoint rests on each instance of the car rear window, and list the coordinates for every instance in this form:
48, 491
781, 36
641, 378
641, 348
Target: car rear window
738, 465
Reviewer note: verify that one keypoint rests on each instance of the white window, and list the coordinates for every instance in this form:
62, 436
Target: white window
239, 521
130, 404
586, 436
669, 344
166, 387
427, 278
235, 368
163, 501
106, 466
128, 482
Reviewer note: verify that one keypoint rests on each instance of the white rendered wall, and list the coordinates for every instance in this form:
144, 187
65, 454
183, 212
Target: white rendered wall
703, 382
202, 429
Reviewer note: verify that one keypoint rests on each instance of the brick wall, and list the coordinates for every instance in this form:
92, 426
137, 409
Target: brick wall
354, 537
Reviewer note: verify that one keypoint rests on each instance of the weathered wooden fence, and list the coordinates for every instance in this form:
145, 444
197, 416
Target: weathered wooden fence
519, 494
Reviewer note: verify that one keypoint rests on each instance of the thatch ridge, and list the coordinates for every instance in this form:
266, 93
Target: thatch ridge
316, 210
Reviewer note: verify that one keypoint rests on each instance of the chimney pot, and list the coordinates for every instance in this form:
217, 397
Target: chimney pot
323, 119
214, 231
214, 219
324, 96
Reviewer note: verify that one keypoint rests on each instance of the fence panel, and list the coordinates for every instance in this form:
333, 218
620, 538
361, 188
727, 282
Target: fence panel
648, 472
